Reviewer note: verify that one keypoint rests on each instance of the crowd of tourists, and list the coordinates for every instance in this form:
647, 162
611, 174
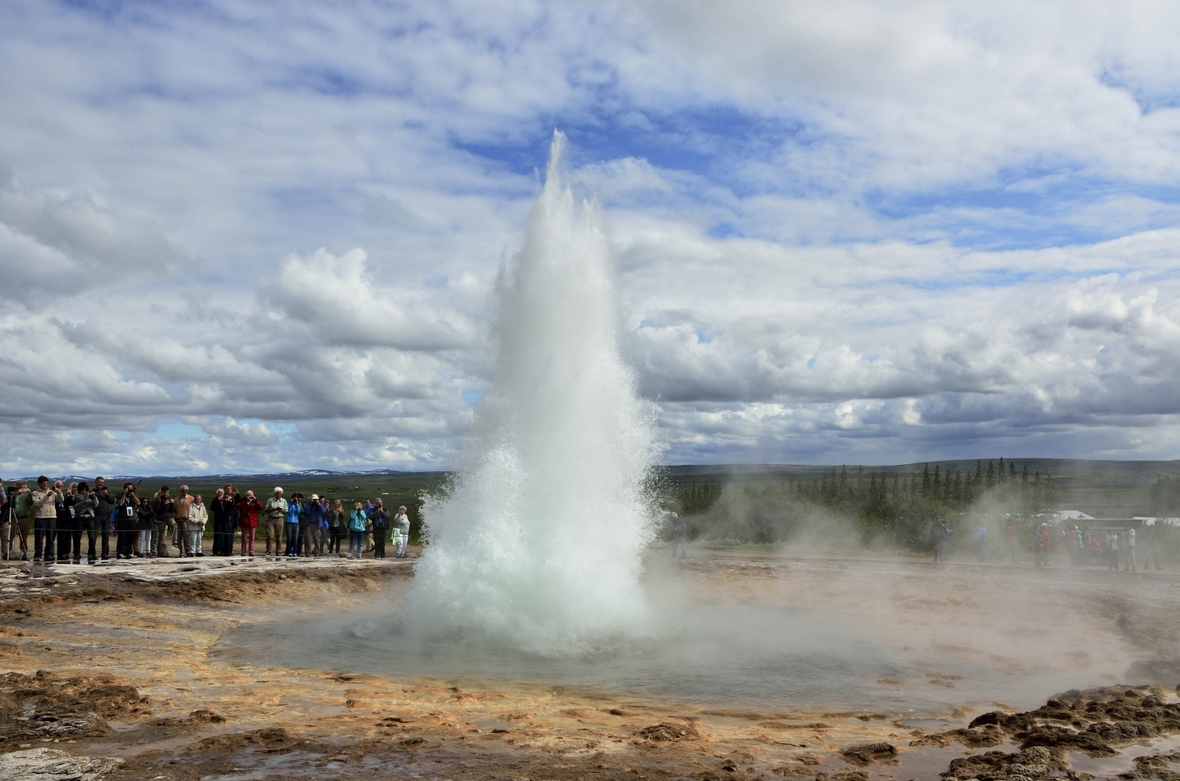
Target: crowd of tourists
1113, 547
60, 516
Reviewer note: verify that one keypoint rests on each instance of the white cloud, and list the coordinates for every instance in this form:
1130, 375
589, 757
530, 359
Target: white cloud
949, 227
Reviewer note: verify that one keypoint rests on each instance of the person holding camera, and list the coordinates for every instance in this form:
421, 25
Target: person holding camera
85, 507
126, 521
44, 501
101, 524
164, 508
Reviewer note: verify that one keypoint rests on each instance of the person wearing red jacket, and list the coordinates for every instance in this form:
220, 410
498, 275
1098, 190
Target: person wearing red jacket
1043, 545
248, 510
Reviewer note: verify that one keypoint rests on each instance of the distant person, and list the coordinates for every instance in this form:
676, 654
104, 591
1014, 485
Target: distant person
1151, 554
337, 527
679, 536
1112, 551
981, 542
146, 517
126, 512
379, 518
5, 523
275, 514
66, 528
1010, 540
248, 511
102, 522
1042, 543
401, 527
368, 508
1130, 547
1079, 541
180, 513
294, 512
44, 502
1069, 540
222, 508
946, 539
315, 516
357, 521
198, 516
23, 515
85, 508
164, 507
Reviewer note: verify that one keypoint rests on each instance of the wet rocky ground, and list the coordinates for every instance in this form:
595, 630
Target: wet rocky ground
121, 673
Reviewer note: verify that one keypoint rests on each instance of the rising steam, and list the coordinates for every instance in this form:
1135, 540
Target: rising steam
538, 541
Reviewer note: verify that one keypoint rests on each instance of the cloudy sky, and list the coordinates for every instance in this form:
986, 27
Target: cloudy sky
250, 236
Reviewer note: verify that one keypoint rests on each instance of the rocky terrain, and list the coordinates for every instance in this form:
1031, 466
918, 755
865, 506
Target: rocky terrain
122, 673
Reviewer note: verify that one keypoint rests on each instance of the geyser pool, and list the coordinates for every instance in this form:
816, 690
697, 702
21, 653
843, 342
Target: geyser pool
537, 542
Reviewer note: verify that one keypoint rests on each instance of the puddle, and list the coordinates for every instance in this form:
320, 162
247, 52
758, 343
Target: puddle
1125, 760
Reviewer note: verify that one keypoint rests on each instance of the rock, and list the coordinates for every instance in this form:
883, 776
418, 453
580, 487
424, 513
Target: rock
665, 731
46, 764
869, 752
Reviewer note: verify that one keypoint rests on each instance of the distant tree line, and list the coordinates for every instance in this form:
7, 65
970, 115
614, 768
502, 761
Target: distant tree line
880, 508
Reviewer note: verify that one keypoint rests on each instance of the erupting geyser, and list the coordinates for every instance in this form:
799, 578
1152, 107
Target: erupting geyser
538, 542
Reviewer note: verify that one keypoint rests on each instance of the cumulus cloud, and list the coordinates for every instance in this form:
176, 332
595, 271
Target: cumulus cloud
240, 237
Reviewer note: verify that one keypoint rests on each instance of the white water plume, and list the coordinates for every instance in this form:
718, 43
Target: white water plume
538, 541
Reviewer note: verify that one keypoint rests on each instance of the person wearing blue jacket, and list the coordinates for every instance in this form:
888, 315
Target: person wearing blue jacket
357, 520
314, 519
294, 510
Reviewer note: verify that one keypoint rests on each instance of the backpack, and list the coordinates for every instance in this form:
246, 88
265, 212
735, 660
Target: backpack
24, 507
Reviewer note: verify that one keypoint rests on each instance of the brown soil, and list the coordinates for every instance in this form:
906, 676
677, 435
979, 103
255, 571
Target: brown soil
120, 663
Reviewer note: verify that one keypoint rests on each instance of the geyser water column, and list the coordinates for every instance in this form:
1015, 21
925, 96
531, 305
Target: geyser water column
537, 543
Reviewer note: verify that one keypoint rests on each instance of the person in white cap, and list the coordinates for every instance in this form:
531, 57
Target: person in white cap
275, 513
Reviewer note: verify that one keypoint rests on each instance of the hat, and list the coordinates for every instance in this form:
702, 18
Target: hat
315, 497
278, 490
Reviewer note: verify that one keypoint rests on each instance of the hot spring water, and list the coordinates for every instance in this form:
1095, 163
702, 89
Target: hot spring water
534, 563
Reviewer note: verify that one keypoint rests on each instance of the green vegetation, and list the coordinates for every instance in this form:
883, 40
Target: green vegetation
893, 506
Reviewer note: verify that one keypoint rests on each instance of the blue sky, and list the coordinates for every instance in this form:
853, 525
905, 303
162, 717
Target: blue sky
243, 237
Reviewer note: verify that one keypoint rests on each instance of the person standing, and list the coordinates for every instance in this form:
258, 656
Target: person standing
1130, 548
248, 511
85, 509
22, 518
294, 513
164, 507
146, 517
5, 522
194, 525
68, 532
1043, 544
368, 508
180, 508
44, 502
1010, 540
403, 527
223, 507
936, 537
337, 526
275, 514
379, 517
358, 520
1069, 540
313, 520
981, 542
126, 520
102, 522
1112, 551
